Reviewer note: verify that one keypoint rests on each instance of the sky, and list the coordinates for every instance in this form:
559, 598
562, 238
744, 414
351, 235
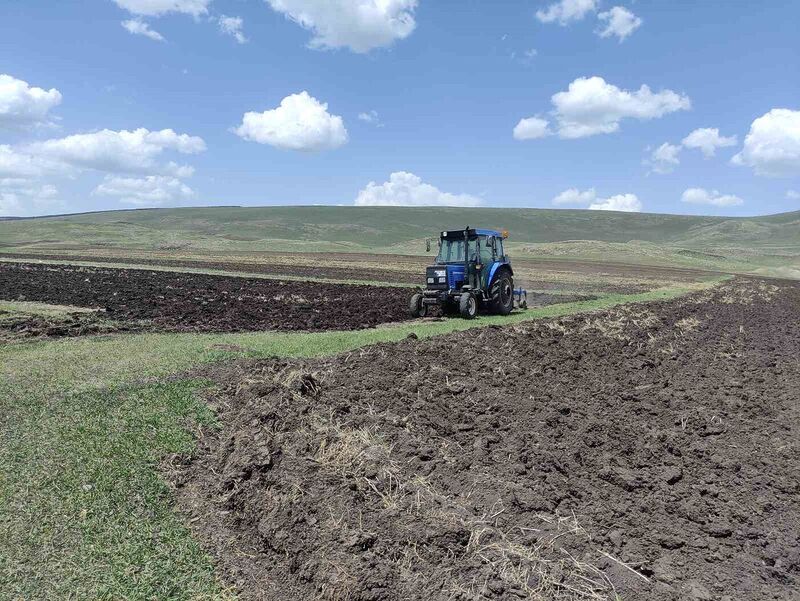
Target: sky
668, 106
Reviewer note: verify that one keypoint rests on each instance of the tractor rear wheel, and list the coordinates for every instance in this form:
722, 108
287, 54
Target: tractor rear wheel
415, 306
502, 294
468, 305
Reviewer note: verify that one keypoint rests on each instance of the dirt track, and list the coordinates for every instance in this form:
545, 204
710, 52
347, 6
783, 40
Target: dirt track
189, 302
648, 451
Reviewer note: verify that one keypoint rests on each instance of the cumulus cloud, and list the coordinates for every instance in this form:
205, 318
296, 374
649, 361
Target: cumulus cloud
588, 199
15, 164
22, 105
573, 196
531, 128
120, 151
591, 106
707, 140
301, 122
792, 195
710, 197
139, 27
360, 25
156, 8
20, 197
664, 159
772, 147
232, 26
566, 11
627, 203
153, 190
619, 21
407, 189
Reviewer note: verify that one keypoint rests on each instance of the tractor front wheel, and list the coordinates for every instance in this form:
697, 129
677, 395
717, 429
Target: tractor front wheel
502, 294
415, 306
468, 305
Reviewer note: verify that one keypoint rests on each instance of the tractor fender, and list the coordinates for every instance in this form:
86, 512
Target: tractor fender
495, 268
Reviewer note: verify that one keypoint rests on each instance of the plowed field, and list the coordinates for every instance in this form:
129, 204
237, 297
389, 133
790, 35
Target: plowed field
649, 451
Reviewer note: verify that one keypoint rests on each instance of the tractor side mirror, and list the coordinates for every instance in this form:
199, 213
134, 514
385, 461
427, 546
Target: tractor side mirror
428, 245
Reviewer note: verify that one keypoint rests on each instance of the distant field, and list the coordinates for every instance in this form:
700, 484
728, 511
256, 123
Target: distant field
766, 245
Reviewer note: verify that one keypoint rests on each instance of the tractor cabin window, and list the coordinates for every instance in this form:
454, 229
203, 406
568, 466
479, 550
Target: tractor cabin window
487, 253
451, 251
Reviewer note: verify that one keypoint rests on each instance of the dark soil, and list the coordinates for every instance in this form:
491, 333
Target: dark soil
408, 269
137, 299
649, 452
25, 327
190, 302
365, 274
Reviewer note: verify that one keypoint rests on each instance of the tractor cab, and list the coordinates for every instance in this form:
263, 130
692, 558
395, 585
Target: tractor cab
471, 271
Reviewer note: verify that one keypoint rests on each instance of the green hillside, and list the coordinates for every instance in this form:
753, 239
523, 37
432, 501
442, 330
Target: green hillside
376, 227
736, 244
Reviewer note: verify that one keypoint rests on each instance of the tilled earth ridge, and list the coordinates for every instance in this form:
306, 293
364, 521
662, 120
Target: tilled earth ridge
648, 451
321, 271
204, 303
592, 277
140, 300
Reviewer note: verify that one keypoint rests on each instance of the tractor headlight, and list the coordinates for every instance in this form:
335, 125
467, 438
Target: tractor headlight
430, 280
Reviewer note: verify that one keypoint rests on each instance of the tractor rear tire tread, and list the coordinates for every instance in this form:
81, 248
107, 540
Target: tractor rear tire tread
502, 293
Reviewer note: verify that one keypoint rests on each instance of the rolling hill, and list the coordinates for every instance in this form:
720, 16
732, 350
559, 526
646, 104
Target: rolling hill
744, 244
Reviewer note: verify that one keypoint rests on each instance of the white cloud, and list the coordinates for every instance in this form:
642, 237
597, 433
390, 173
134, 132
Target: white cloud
361, 25
591, 106
407, 189
619, 21
153, 190
301, 122
19, 197
627, 203
792, 195
139, 27
566, 11
16, 163
22, 105
233, 26
707, 139
531, 128
710, 197
573, 196
371, 117
772, 147
664, 158
120, 151
156, 8
588, 199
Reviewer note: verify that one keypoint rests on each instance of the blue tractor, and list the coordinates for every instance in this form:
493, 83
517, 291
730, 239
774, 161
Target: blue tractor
471, 272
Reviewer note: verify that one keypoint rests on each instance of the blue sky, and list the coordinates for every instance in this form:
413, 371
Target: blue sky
449, 81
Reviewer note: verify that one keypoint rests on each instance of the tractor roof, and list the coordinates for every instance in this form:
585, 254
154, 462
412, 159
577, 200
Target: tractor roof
459, 234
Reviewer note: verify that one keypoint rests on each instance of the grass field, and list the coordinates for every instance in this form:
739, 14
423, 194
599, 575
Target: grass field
85, 424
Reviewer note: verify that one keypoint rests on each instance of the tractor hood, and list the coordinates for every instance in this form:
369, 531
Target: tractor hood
445, 276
